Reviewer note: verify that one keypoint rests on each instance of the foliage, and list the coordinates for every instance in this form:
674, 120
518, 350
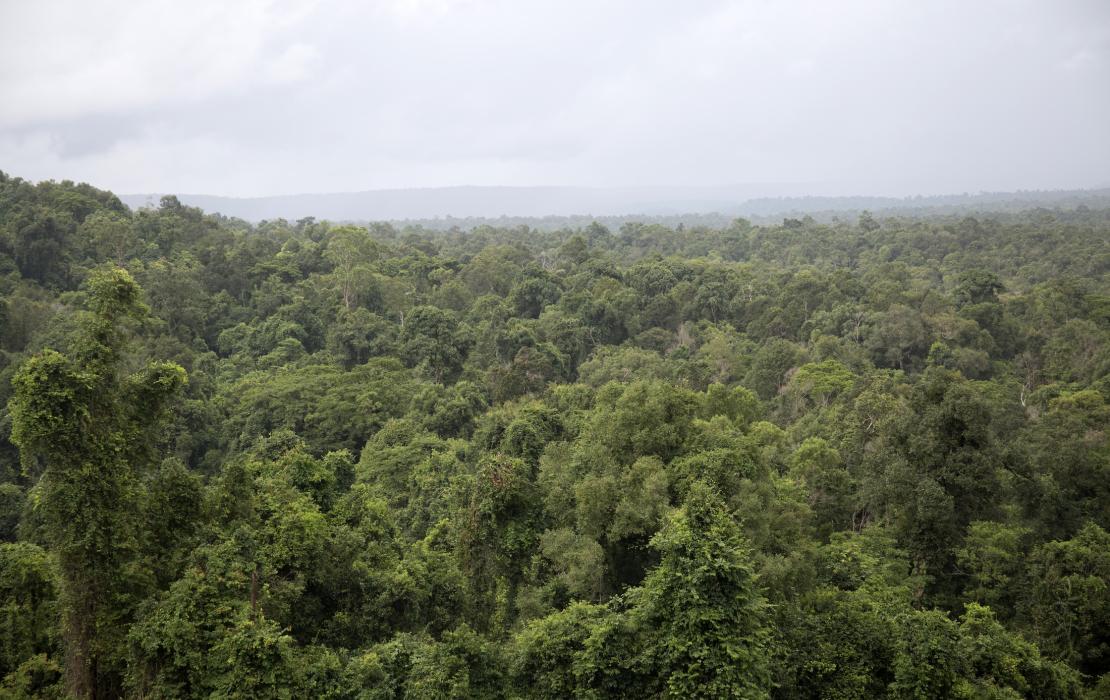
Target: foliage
851, 459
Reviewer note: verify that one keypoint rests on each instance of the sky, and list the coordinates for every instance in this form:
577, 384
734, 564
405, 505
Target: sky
268, 97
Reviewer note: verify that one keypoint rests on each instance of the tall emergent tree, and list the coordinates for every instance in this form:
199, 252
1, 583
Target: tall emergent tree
86, 427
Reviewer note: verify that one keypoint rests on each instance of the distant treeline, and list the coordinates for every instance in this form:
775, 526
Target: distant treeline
550, 208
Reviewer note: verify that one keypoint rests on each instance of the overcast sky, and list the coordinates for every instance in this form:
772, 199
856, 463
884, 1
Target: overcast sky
252, 97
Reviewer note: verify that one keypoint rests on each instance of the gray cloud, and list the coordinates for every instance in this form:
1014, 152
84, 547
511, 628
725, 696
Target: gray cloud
269, 97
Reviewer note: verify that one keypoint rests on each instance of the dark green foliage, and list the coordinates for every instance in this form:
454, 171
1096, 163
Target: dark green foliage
856, 459
11, 509
28, 605
37, 678
1069, 601
546, 650
429, 338
837, 645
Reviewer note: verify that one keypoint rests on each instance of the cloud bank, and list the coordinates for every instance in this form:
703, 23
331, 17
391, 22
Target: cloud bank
262, 97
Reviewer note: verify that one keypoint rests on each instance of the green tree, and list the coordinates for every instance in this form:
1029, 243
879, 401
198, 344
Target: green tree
1003, 664
351, 250
87, 430
430, 338
992, 556
820, 382
702, 602
697, 628
110, 233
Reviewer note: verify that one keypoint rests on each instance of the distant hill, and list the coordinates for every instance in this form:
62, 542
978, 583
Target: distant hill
931, 205
445, 204
479, 201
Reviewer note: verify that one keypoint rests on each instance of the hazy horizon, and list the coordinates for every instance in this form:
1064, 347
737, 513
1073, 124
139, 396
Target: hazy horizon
535, 203
786, 189
271, 98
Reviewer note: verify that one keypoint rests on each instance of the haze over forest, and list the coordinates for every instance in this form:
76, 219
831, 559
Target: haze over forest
553, 206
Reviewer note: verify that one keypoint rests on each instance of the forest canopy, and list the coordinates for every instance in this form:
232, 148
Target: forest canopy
856, 459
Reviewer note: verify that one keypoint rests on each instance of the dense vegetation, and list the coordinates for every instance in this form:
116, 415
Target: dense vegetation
847, 460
